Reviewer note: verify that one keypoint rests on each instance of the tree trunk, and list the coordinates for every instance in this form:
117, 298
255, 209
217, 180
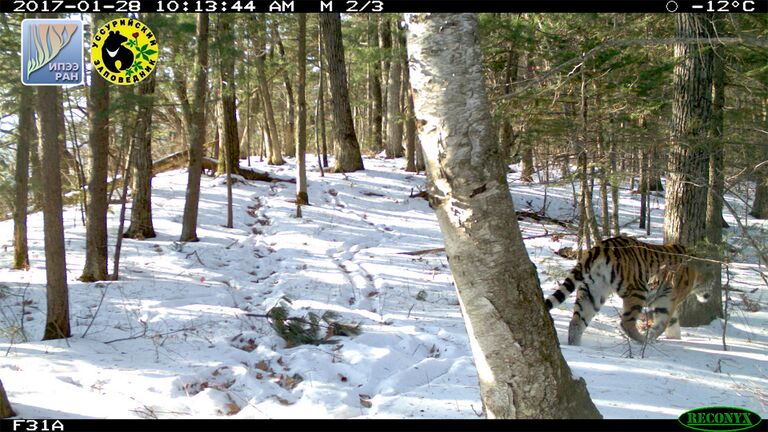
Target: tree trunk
760, 205
227, 109
374, 85
385, 42
57, 322
522, 372
410, 119
348, 156
274, 149
394, 121
96, 255
507, 135
615, 181
321, 96
290, 131
67, 162
686, 197
527, 172
196, 131
301, 149
5, 406
21, 202
715, 191
642, 186
141, 208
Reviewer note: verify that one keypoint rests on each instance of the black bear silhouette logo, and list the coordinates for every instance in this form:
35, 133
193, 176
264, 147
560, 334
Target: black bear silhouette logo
113, 51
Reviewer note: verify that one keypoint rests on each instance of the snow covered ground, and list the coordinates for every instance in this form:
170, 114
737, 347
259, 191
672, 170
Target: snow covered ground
173, 338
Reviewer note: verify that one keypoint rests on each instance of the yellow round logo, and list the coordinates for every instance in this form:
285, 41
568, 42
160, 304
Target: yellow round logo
124, 51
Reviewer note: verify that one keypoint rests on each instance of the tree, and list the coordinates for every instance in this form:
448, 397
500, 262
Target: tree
274, 149
301, 149
394, 122
5, 406
194, 122
385, 42
320, 108
290, 120
760, 205
374, 85
141, 208
26, 129
688, 170
57, 321
410, 119
96, 253
348, 156
511, 334
227, 108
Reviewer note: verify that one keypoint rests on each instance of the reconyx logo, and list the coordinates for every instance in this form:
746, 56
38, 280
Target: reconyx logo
719, 419
124, 51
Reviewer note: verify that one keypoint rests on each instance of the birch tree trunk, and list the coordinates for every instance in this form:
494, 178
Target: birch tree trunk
522, 372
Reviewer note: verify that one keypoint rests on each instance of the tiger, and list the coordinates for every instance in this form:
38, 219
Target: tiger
621, 265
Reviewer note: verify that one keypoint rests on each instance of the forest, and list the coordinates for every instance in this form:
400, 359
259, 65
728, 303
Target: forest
360, 216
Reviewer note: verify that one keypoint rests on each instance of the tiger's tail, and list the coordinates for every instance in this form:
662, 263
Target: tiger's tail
566, 288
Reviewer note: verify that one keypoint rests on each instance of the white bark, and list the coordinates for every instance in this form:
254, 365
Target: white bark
522, 372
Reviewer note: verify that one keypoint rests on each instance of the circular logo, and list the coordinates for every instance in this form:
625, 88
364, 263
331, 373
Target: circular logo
124, 51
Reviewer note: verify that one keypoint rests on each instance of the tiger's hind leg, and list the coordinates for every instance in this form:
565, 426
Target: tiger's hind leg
634, 300
589, 300
662, 307
673, 329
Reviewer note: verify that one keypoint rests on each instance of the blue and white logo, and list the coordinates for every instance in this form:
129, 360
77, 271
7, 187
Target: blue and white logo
51, 52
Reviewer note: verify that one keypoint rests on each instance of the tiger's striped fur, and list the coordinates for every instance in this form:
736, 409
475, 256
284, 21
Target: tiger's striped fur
672, 285
621, 265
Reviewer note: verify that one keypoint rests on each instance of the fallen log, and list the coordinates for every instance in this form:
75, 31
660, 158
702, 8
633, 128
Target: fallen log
258, 175
180, 160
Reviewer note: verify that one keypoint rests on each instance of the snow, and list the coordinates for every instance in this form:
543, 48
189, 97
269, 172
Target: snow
173, 337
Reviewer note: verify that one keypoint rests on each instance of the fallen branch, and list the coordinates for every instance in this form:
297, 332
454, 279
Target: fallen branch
144, 333
196, 256
421, 193
98, 308
543, 218
423, 252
